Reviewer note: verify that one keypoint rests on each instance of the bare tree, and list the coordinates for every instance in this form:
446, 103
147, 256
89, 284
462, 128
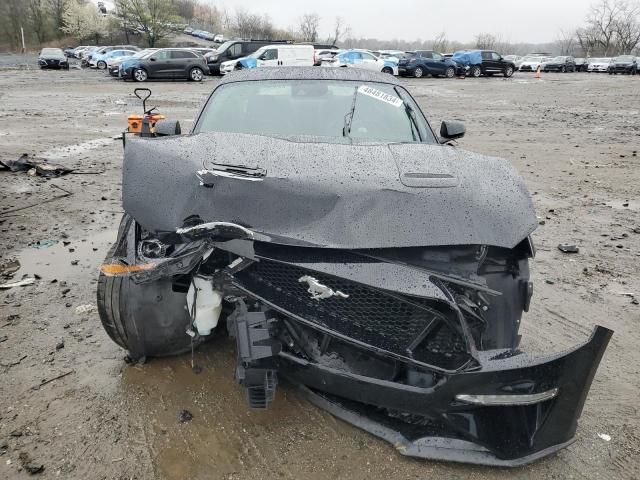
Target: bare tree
57, 8
250, 25
38, 19
566, 42
207, 17
338, 31
587, 38
603, 17
309, 27
486, 41
627, 27
440, 43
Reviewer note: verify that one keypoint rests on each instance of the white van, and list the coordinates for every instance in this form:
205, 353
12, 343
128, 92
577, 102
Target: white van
280, 55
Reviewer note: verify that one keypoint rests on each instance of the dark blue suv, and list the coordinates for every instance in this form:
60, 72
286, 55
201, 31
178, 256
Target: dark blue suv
422, 62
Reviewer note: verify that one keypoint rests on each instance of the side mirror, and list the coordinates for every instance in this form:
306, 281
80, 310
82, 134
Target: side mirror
152, 59
451, 130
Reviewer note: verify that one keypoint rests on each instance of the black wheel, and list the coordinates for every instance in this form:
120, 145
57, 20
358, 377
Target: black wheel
450, 72
196, 74
140, 75
101, 65
388, 70
418, 72
508, 72
476, 71
147, 319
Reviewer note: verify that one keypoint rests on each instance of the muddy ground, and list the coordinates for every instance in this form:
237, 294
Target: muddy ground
69, 401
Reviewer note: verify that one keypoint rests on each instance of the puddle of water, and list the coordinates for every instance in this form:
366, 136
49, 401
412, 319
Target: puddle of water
58, 153
55, 262
225, 436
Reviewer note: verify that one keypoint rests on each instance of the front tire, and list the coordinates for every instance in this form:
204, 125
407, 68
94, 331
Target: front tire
140, 75
388, 70
196, 74
101, 65
476, 71
146, 319
508, 72
450, 72
563, 69
418, 72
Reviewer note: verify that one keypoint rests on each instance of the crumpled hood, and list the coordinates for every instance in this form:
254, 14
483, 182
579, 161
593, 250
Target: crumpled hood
327, 194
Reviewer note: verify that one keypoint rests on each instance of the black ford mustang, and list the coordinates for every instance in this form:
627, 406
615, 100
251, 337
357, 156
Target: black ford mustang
315, 216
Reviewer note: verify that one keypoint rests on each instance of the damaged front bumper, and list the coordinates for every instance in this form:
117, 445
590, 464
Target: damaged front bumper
392, 349
510, 412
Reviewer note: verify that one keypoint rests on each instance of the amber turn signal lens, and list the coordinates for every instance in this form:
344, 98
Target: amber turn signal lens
118, 269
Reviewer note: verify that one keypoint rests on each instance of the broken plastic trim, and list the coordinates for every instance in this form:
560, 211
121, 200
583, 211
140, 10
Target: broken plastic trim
502, 400
226, 229
208, 176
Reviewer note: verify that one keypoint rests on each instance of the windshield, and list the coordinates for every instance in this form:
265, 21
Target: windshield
257, 53
625, 58
51, 51
144, 53
224, 46
559, 59
338, 109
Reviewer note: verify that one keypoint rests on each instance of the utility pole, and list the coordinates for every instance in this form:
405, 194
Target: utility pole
22, 34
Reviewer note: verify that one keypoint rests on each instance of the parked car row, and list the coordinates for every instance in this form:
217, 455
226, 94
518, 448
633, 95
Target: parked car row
203, 34
624, 64
129, 62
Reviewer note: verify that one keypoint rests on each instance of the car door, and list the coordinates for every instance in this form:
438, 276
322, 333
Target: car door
487, 62
269, 58
437, 65
180, 62
159, 65
351, 59
370, 62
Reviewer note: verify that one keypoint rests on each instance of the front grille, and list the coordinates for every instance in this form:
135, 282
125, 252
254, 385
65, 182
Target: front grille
370, 316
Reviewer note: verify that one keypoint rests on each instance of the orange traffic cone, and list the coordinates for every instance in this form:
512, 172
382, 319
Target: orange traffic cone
538, 74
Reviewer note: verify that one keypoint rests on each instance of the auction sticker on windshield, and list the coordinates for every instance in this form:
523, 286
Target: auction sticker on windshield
379, 95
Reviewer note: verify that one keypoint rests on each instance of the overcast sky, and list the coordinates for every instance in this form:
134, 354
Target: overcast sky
535, 21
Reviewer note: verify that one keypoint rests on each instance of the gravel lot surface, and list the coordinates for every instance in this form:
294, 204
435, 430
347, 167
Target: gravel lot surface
69, 401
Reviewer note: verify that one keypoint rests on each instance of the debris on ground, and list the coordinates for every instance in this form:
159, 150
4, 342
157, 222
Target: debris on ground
34, 166
29, 465
605, 437
568, 248
82, 309
9, 266
185, 416
22, 283
60, 345
45, 243
45, 382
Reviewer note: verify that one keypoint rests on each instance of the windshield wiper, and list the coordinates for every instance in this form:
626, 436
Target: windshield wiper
348, 118
412, 116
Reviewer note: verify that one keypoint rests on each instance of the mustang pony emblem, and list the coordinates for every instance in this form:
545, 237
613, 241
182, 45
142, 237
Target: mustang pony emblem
319, 291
